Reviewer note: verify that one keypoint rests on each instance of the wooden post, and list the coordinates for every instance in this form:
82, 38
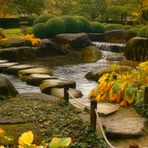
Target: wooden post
134, 145
93, 114
66, 95
146, 95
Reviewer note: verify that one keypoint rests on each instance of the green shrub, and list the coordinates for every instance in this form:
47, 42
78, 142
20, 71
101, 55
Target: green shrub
80, 26
55, 26
39, 30
71, 24
113, 26
43, 19
86, 24
143, 32
97, 27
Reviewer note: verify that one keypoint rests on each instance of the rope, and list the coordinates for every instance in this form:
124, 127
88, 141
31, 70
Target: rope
76, 99
102, 131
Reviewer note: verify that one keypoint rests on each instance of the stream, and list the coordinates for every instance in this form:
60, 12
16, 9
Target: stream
74, 72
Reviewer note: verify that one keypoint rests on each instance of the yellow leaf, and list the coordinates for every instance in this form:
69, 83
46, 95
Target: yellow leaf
55, 139
26, 138
2, 132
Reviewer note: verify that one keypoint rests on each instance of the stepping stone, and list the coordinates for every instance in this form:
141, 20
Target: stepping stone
107, 108
36, 79
25, 74
126, 127
14, 69
4, 66
47, 85
59, 93
3, 61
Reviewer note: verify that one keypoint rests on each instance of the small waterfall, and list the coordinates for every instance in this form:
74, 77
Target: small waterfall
111, 51
104, 46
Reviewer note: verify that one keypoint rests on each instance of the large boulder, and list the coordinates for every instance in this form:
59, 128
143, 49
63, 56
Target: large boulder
46, 48
18, 53
137, 49
90, 54
76, 41
14, 42
7, 90
119, 35
97, 37
59, 92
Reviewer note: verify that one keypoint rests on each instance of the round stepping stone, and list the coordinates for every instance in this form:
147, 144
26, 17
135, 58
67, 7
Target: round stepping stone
126, 127
36, 79
59, 93
4, 66
14, 69
47, 85
3, 61
25, 74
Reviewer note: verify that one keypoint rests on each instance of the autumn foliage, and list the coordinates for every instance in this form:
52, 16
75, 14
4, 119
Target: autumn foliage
124, 88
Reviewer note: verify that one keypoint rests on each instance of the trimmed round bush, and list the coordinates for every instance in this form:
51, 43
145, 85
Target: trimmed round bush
39, 30
71, 24
113, 26
80, 26
97, 27
54, 26
43, 19
86, 24
143, 32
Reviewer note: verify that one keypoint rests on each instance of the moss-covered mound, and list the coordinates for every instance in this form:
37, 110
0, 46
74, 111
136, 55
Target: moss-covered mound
137, 49
86, 24
97, 27
143, 32
113, 26
39, 30
42, 19
54, 26
71, 24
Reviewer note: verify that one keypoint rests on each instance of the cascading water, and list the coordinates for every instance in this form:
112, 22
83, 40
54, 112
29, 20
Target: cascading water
113, 47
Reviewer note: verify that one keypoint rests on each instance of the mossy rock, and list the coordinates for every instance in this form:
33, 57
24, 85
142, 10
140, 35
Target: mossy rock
71, 24
90, 54
54, 26
137, 49
97, 27
39, 30
43, 19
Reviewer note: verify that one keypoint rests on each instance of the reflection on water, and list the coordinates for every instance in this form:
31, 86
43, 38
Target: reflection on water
77, 72
21, 86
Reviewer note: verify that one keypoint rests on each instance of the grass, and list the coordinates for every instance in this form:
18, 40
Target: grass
15, 31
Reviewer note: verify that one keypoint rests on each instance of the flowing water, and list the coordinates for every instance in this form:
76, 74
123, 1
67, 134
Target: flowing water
72, 72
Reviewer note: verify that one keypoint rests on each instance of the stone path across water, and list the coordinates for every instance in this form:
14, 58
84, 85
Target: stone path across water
37, 76
123, 123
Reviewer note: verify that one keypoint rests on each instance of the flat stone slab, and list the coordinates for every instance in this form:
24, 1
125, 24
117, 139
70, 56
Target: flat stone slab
14, 69
4, 66
36, 79
47, 85
59, 92
3, 61
107, 108
126, 127
23, 74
